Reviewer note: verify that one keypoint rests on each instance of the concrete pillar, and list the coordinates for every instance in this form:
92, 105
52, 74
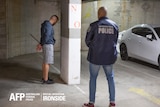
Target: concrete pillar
3, 33
70, 41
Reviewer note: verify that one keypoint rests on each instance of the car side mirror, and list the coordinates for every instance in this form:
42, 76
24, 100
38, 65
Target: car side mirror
149, 37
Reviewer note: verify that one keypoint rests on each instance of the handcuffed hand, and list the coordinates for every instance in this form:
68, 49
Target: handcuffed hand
39, 47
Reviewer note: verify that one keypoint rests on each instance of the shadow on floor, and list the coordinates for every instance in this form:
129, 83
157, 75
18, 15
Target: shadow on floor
12, 70
143, 63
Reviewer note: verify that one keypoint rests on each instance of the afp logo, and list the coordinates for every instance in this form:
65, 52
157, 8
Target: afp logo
16, 96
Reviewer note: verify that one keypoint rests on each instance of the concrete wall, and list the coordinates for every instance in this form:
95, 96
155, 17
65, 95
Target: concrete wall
25, 17
126, 13
3, 37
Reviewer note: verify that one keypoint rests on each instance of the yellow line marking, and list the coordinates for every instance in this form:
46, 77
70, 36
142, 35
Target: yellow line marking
146, 95
88, 13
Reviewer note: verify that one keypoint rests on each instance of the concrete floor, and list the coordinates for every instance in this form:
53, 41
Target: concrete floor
137, 83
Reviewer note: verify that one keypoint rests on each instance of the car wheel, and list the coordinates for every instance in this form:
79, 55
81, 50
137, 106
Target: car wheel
123, 52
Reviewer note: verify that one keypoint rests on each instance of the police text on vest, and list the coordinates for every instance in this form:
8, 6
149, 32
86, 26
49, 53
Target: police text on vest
103, 29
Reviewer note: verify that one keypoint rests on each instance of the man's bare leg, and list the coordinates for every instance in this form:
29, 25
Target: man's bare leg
45, 69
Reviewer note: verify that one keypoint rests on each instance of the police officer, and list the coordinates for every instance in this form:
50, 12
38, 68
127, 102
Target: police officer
101, 38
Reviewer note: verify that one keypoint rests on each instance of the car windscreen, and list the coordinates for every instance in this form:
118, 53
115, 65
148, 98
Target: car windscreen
157, 29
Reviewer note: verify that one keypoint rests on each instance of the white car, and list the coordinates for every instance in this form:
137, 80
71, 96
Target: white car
141, 42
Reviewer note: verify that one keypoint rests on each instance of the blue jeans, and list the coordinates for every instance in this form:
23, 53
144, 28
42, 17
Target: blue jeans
94, 70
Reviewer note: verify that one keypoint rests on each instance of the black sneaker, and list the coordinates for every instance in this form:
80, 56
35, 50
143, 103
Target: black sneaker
48, 79
48, 82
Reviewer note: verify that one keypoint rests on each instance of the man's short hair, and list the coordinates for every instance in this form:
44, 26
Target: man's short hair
54, 16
